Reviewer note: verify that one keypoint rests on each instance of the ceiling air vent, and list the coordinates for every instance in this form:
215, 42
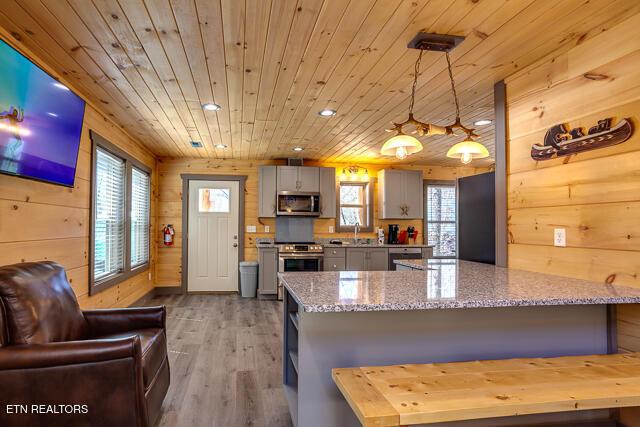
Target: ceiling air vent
196, 144
294, 162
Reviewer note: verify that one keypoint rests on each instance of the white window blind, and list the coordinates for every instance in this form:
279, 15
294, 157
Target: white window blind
139, 217
109, 245
441, 219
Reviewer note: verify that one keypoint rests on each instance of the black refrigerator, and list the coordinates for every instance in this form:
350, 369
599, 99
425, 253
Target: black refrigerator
476, 218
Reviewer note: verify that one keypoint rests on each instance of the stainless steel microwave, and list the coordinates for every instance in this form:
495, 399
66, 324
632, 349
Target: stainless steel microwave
294, 203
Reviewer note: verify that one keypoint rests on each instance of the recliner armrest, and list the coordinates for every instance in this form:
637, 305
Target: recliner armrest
29, 356
115, 320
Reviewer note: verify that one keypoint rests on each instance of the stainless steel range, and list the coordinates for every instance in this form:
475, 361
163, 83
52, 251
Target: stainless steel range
299, 257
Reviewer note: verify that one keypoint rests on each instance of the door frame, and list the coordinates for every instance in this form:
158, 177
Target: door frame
186, 178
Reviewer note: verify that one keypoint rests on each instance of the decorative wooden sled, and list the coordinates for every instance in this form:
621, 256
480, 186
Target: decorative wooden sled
562, 141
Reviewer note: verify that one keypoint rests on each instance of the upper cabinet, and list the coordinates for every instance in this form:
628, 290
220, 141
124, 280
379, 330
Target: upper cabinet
328, 193
400, 194
298, 178
267, 191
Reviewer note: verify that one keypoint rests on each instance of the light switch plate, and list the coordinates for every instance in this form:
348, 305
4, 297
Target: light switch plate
331, 229
560, 237
251, 228
266, 228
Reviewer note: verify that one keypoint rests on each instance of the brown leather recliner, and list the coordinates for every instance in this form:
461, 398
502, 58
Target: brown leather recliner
61, 366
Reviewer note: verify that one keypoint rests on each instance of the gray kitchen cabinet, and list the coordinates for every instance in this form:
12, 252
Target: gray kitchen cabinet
268, 271
377, 259
400, 194
356, 259
298, 178
427, 253
334, 264
327, 192
367, 259
414, 193
334, 252
267, 191
287, 178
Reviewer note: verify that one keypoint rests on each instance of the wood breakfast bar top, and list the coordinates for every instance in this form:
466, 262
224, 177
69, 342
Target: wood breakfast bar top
442, 392
445, 284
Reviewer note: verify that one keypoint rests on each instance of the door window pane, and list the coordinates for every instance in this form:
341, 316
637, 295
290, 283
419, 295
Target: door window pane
214, 200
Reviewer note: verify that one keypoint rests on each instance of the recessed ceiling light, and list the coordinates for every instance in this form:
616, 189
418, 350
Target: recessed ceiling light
298, 148
211, 107
196, 144
221, 146
482, 122
327, 112
53, 114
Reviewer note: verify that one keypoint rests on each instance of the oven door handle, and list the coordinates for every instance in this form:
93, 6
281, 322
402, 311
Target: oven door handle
298, 256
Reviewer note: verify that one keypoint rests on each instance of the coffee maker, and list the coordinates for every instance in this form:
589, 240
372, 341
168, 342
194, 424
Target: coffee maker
393, 234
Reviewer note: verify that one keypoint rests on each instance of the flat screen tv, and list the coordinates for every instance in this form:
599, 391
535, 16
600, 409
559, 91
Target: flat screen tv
40, 122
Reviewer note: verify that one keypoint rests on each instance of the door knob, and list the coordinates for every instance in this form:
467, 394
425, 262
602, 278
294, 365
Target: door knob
235, 245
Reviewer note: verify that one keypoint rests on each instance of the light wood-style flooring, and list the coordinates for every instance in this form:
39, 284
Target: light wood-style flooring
226, 363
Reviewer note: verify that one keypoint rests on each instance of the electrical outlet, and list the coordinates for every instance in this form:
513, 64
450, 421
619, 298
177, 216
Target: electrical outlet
149, 275
251, 228
267, 228
560, 237
331, 229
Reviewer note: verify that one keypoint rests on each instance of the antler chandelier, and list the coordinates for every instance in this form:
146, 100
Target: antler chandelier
402, 144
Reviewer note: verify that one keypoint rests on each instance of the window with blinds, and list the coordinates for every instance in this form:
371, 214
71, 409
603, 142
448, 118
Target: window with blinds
441, 219
120, 208
109, 215
140, 200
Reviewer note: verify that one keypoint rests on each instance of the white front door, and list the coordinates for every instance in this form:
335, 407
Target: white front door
214, 208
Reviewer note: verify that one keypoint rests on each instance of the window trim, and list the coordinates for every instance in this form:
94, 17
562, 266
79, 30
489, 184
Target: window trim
368, 207
425, 233
130, 162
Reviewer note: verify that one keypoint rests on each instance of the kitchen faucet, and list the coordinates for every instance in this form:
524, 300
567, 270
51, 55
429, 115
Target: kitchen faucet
356, 228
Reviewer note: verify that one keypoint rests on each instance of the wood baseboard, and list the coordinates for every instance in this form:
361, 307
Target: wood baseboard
168, 290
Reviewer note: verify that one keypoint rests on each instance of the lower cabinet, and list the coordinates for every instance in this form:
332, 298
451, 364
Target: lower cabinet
334, 264
367, 259
268, 271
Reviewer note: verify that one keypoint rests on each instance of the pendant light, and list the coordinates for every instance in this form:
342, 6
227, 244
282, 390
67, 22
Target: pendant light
468, 149
402, 145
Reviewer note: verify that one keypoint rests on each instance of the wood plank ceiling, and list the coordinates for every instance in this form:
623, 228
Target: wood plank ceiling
272, 65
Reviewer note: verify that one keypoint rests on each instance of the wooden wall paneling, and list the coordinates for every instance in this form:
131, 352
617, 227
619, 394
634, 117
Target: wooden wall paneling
595, 195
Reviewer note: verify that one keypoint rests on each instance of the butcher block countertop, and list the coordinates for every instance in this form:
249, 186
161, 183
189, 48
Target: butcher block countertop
445, 284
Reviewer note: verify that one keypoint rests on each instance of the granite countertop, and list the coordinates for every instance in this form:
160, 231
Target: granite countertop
372, 245
424, 264
446, 284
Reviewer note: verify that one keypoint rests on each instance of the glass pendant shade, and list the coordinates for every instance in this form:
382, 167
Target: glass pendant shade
401, 146
468, 150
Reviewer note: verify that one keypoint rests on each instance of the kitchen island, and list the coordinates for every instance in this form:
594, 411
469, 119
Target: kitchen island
450, 311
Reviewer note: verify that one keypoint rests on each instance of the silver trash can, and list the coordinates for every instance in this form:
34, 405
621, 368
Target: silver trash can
248, 279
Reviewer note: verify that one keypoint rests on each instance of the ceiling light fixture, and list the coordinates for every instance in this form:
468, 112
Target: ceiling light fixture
327, 112
297, 149
402, 145
468, 150
221, 146
211, 107
196, 144
482, 122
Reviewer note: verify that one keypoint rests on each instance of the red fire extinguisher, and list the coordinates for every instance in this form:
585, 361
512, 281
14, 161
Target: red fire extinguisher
168, 233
